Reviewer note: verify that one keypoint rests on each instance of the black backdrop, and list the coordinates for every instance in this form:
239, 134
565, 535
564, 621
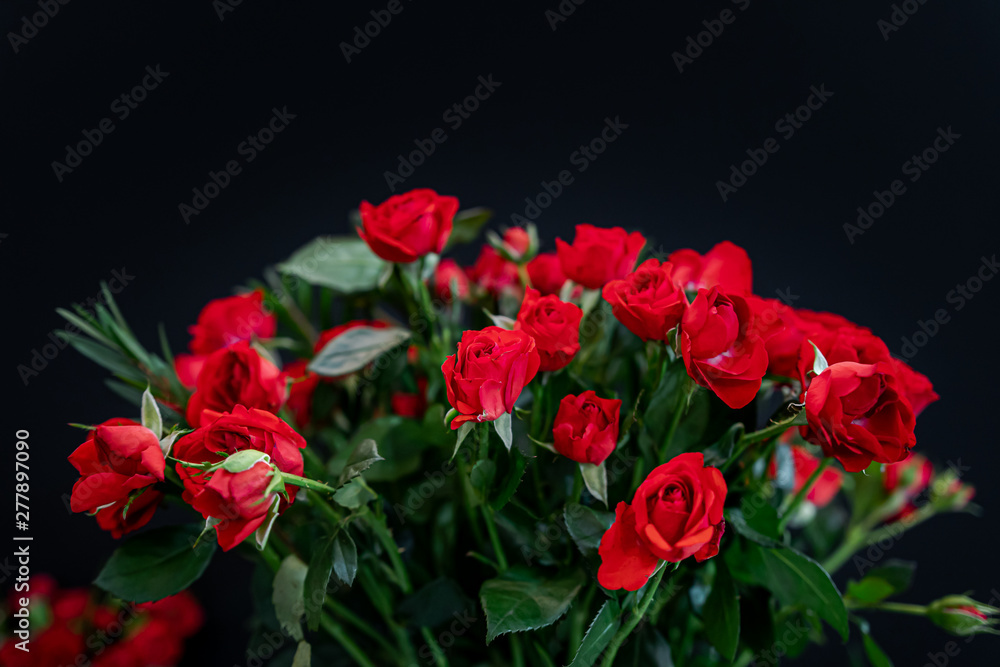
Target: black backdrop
118, 210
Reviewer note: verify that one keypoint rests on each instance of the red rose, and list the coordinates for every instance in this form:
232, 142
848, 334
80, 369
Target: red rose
494, 274
725, 266
446, 274
647, 301
545, 273
221, 323
408, 226
517, 240
840, 341
916, 387
586, 427
300, 391
599, 255
236, 375
824, 489
118, 462
237, 499
411, 405
486, 375
908, 478
676, 513
800, 325
857, 415
723, 345
555, 326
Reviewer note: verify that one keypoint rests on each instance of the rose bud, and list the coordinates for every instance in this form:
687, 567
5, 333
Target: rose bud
907, 480
517, 244
726, 266
545, 273
598, 256
487, 374
236, 375
647, 301
449, 276
235, 497
916, 387
961, 615
408, 226
586, 427
221, 323
676, 513
949, 494
555, 326
855, 413
824, 489
118, 463
723, 345
495, 275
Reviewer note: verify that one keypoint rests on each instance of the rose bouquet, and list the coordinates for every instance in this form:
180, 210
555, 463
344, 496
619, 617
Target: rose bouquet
593, 456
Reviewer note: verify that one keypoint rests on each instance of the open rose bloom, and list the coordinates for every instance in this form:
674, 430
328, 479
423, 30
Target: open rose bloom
566, 451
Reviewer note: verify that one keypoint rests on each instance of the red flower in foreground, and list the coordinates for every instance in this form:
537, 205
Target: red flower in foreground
237, 500
118, 463
555, 326
676, 513
408, 226
486, 375
598, 256
546, 274
857, 415
236, 375
916, 387
723, 345
586, 427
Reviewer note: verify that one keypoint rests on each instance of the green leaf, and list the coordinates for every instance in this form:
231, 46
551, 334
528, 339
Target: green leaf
876, 656
463, 432
440, 601
85, 327
596, 480
303, 655
345, 264
354, 494
719, 453
586, 526
482, 475
521, 599
467, 224
287, 596
820, 363
796, 579
156, 564
518, 464
317, 579
721, 613
869, 590
736, 520
345, 558
504, 429
362, 458
109, 359
151, 418
356, 348
602, 629
897, 573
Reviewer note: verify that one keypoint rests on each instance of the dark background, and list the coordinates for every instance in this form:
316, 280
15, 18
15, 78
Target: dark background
119, 208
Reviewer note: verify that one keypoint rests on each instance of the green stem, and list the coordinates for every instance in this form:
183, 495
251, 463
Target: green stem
801, 494
483, 559
432, 644
580, 616
491, 528
337, 632
320, 503
637, 614
679, 409
897, 607
384, 536
861, 536
517, 651
350, 617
